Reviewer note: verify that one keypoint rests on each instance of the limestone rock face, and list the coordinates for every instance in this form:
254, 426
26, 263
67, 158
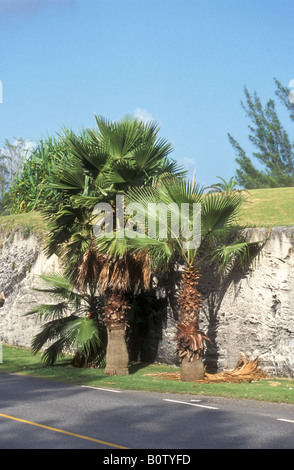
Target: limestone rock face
255, 312
250, 313
21, 262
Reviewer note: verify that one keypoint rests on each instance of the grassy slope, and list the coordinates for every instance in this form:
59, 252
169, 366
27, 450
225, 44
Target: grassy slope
26, 223
262, 208
268, 208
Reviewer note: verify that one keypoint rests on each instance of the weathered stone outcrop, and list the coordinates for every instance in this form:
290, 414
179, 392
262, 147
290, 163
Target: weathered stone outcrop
251, 313
254, 313
21, 262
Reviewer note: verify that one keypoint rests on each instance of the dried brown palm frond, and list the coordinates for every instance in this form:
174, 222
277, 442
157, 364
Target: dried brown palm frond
126, 273
189, 336
89, 269
115, 311
244, 371
119, 277
140, 269
190, 341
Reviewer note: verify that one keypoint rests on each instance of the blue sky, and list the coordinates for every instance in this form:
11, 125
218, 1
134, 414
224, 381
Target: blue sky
183, 63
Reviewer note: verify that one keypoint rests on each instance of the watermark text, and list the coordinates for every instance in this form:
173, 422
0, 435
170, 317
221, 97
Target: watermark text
152, 220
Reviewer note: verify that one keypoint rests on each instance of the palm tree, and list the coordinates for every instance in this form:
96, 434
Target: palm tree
223, 185
98, 166
72, 323
218, 215
118, 279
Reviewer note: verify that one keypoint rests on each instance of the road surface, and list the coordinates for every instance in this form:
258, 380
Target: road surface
42, 414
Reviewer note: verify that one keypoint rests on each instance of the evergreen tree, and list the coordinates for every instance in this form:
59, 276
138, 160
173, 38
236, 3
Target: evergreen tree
275, 151
286, 97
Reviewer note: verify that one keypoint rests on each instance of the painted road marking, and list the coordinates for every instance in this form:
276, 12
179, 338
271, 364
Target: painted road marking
191, 404
286, 420
63, 432
101, 388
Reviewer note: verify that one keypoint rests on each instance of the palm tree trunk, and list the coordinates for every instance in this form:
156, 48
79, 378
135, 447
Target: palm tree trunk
117, 356
192, 370
190, 338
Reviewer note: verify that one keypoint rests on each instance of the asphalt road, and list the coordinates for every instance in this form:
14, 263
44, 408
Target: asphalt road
42, 414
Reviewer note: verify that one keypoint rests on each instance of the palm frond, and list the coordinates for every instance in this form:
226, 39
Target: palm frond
238, 255
83, 333
74, 323
219, 212
45, 311
51, 333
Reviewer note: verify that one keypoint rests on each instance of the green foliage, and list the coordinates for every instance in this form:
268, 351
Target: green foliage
31, 189
91, 164
98, 165
90, 167
283, 94
219, 212
12, 157
275, 151
223, 185
72, 323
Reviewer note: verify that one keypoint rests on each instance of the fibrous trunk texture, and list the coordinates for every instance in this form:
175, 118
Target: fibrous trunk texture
117, 356
190, 338
192, 370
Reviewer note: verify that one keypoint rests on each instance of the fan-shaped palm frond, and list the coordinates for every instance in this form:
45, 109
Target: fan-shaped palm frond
238, 254
72, 324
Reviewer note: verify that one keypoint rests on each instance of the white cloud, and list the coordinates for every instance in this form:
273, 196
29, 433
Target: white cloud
29, 146
143, 115
189, 162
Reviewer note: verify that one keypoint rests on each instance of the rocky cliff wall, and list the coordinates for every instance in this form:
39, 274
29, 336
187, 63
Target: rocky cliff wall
21, 262
250, 313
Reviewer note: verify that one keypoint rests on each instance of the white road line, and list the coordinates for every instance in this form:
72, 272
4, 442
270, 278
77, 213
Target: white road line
101, 388
286, 420
191, 404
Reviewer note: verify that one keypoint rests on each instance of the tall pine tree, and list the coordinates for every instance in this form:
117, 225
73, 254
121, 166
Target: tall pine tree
275, 151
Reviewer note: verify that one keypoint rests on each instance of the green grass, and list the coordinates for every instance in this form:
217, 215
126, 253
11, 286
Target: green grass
26, 223
21, 361
268, 208
262, 208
